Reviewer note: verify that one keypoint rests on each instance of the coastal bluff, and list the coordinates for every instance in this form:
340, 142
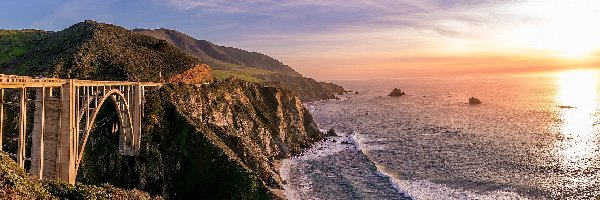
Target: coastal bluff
203, 137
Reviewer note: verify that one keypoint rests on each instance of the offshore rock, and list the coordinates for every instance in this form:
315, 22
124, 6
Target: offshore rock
474, 101
396, 93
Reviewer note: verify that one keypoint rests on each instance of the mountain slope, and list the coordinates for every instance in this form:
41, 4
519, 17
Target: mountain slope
249, 66
91, 50
220, 57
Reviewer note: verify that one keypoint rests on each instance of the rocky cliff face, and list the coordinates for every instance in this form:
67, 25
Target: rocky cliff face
333, 88
215, 141
308, 89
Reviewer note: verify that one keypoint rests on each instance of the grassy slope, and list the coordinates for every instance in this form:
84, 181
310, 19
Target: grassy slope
91, 50
245, 73
16, 43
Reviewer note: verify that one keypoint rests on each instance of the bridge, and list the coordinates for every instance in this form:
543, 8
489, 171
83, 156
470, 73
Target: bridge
64, 114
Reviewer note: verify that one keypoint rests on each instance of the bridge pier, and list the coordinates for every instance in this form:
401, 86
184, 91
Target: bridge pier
44, 145
67, 149
22, 128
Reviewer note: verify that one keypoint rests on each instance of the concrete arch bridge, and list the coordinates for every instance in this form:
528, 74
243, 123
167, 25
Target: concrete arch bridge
64, 115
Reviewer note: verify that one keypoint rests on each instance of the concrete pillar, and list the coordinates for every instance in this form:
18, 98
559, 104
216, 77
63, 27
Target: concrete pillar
50, 140
22, 129
37, 137
1, 117
66, 138
136, 111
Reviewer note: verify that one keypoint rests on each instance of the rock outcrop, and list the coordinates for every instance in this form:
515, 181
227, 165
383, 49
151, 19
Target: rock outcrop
196, 75
308, 89
396, 93
474, 101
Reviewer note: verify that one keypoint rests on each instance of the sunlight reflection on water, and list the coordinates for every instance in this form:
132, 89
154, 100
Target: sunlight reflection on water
577, 94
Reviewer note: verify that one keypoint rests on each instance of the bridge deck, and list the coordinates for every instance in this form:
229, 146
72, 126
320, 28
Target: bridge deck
13, 81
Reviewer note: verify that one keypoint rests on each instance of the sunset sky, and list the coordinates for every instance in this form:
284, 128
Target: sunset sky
358, 39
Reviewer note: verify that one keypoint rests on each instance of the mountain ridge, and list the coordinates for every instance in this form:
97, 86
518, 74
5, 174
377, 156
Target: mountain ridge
250, 66
225, 54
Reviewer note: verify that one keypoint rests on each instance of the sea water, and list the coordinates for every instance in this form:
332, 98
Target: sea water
533, 137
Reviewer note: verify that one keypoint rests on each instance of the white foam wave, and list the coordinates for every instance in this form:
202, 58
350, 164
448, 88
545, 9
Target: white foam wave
423, 189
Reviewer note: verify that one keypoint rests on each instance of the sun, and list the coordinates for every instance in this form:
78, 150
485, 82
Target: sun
564, 28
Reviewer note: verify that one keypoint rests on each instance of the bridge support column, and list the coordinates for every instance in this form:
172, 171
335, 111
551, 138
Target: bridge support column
37, 137
67, 144
22, 129
136, 119
1, 117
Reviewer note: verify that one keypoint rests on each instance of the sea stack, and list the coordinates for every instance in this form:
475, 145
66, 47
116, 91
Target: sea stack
396, 93
474, 101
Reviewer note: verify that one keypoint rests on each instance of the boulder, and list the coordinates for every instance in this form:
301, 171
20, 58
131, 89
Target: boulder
396, 93
474, 101
331, 132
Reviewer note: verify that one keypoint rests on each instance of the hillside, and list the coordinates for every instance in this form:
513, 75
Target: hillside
220, 57
249, 66
91, 50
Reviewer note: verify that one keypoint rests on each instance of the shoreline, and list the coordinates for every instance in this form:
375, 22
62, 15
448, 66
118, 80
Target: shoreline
395, 183
339, 151
279, 192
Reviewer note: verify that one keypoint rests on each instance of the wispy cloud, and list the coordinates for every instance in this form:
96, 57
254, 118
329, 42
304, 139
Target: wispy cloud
315, 36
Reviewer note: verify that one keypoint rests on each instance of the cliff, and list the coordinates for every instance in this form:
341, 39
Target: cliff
308, 89
333, 88
215, 141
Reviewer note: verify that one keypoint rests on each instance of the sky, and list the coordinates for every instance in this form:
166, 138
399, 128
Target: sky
358, 39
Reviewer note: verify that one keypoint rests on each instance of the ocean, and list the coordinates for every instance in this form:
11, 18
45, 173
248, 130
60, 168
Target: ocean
533, 137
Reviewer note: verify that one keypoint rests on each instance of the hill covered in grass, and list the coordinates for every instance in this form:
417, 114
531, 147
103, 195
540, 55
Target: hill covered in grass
92, 50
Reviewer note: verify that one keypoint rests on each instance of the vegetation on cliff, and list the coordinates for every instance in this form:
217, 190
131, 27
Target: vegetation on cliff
16, 184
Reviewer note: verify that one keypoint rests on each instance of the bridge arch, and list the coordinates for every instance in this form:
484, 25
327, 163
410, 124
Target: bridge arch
93, 106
